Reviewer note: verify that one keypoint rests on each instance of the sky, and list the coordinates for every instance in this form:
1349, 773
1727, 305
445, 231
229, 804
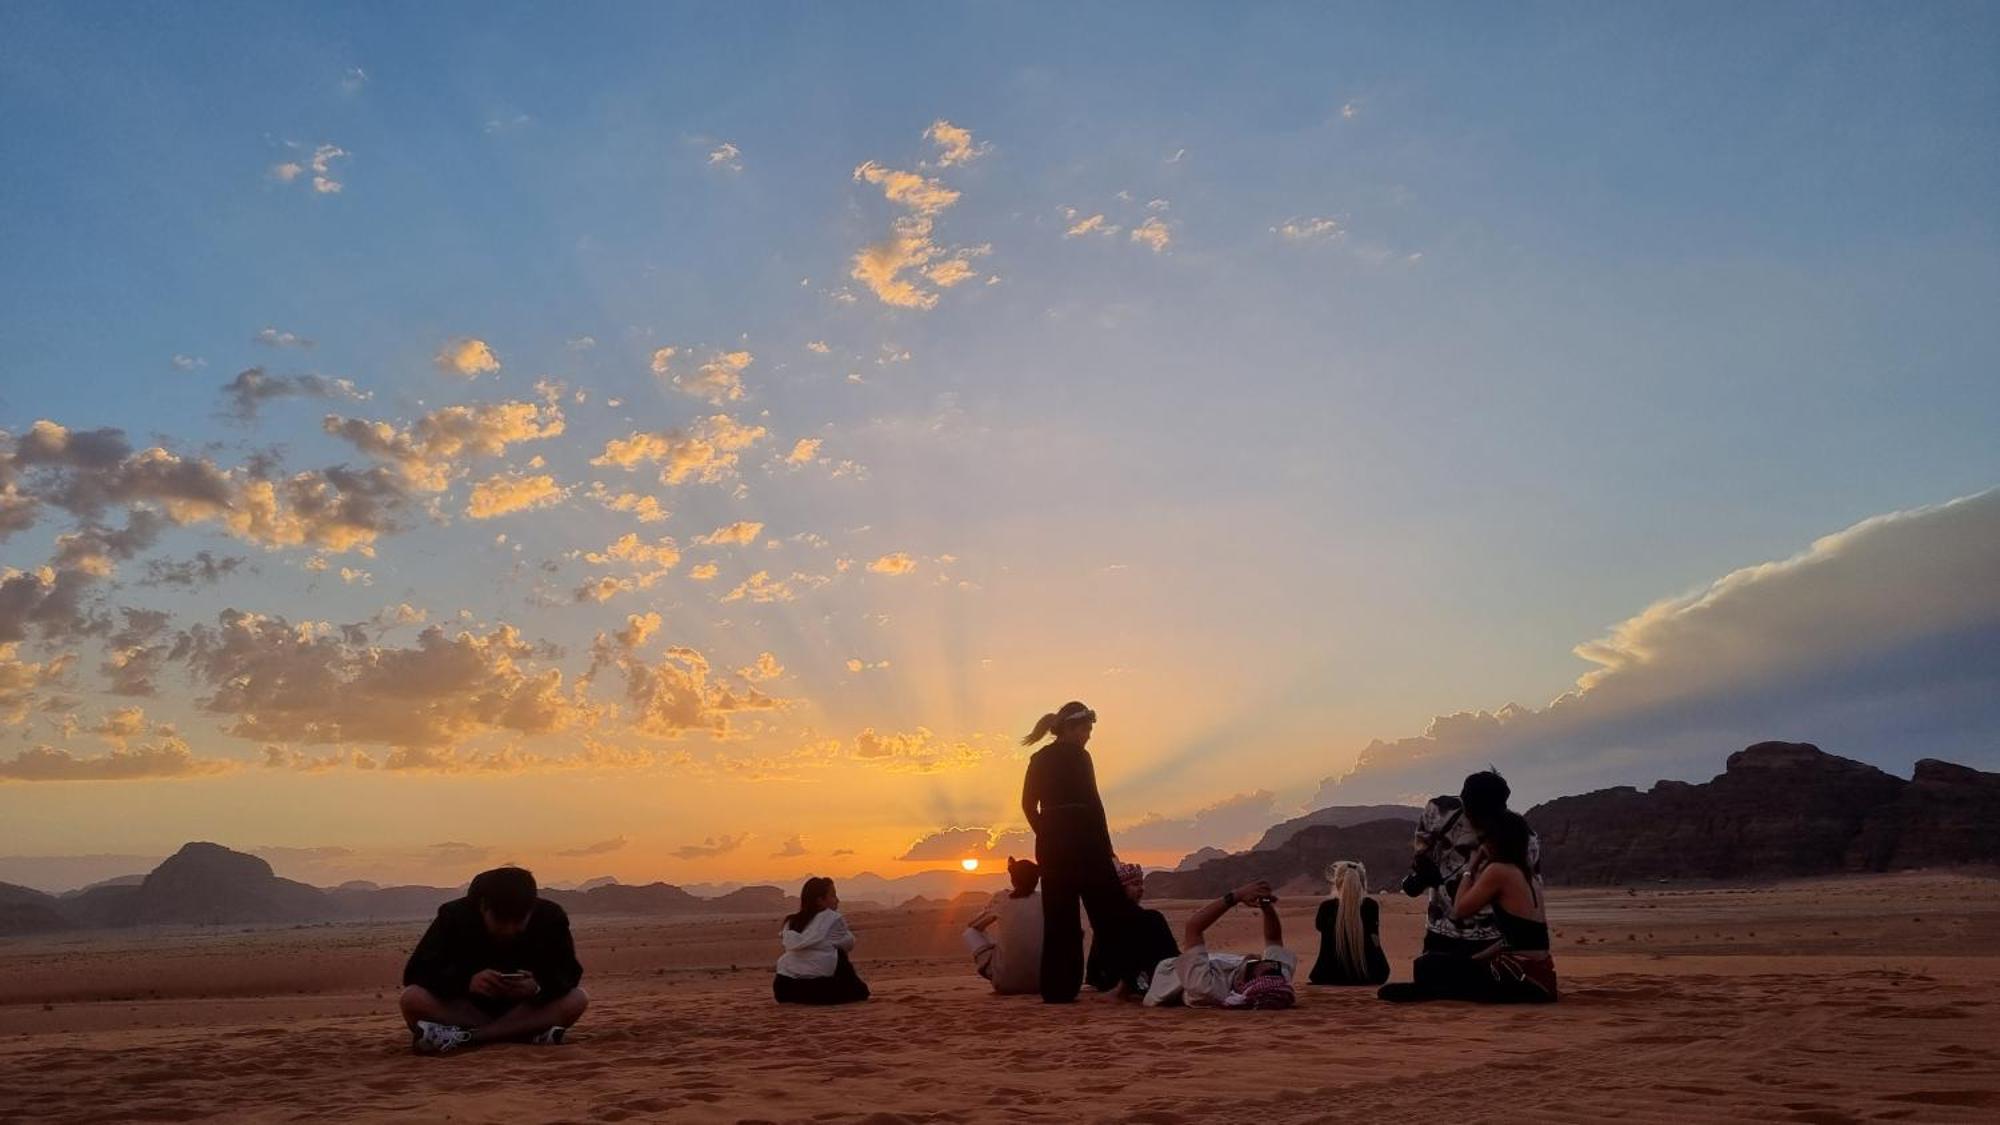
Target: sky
694, 443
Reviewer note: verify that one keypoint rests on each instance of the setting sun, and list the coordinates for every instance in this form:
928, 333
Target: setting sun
969, 864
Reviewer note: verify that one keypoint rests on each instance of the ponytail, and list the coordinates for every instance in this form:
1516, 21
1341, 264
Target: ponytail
1056, 720
1044, 727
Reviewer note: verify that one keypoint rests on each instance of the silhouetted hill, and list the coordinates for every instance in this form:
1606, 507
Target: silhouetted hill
206, 885
1338, 816
619, 898
1382, 845
1777, 809
24, 910
753, 900
1196, 858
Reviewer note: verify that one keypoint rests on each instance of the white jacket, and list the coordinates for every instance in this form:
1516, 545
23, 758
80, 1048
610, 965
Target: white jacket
816, 951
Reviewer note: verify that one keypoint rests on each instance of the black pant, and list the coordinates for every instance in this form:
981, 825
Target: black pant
1070, 876
1149, 940
845, 986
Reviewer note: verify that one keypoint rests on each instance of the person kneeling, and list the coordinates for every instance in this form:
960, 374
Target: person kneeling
1014, 962
496, 965
1201, 979
814, 968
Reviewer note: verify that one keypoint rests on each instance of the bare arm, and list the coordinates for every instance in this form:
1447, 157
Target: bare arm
1274, 930
1476, 894
1205, 917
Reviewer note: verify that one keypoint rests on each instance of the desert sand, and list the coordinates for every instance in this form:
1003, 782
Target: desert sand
1823, 1001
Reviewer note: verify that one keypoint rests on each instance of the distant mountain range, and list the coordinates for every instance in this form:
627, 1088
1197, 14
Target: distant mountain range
1778, 810
207, 884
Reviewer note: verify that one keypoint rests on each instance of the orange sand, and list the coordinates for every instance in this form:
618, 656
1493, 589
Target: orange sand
1823, 1001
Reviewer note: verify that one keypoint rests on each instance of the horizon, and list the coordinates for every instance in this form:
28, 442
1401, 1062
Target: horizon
693, 446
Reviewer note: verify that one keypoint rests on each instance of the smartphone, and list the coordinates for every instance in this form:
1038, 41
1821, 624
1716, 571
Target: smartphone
517, 975
1266, 900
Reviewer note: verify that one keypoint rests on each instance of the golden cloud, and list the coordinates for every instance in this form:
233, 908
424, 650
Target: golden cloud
467, 357
505, 493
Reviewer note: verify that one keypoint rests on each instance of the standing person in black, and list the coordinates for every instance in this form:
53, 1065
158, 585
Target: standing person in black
1073, 848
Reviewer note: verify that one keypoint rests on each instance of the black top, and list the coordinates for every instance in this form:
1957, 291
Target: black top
1151, 941
1328, 969
1061, 792
457, 945
1524, 934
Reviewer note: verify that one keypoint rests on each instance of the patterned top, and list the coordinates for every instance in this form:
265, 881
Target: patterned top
1444, 820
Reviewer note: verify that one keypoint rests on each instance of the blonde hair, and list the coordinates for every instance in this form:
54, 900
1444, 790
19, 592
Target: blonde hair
1054, 721
1350, 886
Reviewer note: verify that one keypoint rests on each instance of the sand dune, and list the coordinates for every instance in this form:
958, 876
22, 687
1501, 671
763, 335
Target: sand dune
1849, 1000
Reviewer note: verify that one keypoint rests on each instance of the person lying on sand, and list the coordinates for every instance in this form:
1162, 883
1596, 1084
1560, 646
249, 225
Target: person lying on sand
1201, 979
1350, 931
1014, 962
494, 966
1517, 968
815, 968
1150, 940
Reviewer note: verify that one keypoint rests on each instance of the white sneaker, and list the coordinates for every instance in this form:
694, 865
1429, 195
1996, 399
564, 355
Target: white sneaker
438, 1038
550, 1037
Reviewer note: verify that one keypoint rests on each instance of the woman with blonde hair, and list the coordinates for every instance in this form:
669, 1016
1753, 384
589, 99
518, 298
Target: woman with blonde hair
1350, 931
1073, 846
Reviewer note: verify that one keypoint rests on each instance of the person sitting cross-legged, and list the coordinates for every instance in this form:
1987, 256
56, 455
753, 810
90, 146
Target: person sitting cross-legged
1013, 962
1149, 937
1201, 979
496, 965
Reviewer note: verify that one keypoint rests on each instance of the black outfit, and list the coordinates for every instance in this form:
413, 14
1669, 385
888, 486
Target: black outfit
1328, 969
845, 986
457, 945
1499, 977
1073, 848
1151, 940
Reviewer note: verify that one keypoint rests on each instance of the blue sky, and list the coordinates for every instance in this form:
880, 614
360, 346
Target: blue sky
1471, 333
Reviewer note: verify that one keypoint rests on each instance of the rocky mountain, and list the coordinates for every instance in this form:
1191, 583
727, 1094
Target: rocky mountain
1339, 816
753, 900
1778, 809
24, 910
1299, 864
1200, 856
202, 884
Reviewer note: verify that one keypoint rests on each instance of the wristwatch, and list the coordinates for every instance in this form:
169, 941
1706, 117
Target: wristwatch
1229, 899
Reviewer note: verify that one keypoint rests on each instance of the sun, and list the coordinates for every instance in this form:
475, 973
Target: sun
969, 863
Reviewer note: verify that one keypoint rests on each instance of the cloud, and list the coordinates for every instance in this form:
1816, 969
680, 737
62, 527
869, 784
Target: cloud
711, 847
167, 758
505, 493
955, 144
601, 847
1314, 229
708, 452
674, 695
352, 80
205, 569
467, 357
718, 380
889, 267
740, 533
252, 388
651, 561
187, 362
1088, 225
893, 564
765, 667
704, 572
1882, 641
915, 751
920, 194
433, 452
22, 681
275, 681
949, 845
1231, 823
804, 451
726, 156
645, 509
818, 347
761, 587
793, 847
323, 157
1153, 234
276, 338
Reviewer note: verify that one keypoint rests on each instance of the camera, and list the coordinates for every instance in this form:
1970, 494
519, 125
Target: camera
1424, 875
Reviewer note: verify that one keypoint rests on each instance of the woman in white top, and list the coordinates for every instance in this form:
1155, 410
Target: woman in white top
814, 968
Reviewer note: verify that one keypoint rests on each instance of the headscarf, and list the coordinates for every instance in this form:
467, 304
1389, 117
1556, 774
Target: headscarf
1270, 993
1131, 874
